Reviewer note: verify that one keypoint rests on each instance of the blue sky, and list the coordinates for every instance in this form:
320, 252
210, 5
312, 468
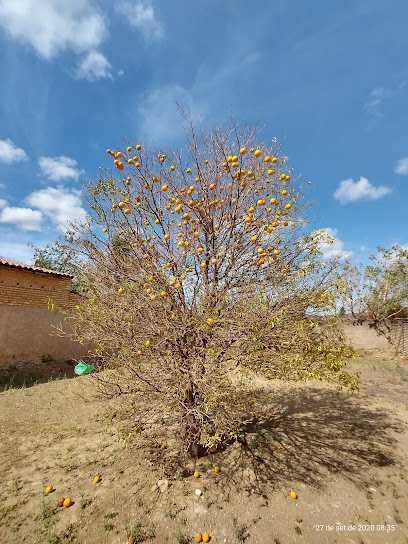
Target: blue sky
331, 78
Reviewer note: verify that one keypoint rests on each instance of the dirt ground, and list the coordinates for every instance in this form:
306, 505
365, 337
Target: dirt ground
346, 457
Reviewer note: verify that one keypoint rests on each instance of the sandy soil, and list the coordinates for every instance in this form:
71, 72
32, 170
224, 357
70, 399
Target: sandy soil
345, 456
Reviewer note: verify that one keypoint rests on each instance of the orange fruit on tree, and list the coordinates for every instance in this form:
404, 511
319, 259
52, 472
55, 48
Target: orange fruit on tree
198, 537
242, 151
258, 153
206, 537
275, 159
164, 188
67, 503
126, 211
129, 149
138, 147
196, 474
213, 449
288, 206
267, 158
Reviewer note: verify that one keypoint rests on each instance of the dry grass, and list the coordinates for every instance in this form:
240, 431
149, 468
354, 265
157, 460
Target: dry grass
344, 455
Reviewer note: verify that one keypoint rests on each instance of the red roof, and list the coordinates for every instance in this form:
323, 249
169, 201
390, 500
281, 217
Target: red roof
13, 264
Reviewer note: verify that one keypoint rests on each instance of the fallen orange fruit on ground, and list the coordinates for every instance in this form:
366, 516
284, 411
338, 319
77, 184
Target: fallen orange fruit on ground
216, 469
293, 495
196, 474
198, 537
67, 502
206, 537
97, 479
49, 489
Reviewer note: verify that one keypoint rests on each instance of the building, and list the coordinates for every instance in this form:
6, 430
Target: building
26, 323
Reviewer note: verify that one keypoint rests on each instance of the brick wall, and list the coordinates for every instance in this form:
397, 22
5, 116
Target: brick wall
26, 324
28, 288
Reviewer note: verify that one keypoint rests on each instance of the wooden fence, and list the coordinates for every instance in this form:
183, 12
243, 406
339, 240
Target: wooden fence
399, 335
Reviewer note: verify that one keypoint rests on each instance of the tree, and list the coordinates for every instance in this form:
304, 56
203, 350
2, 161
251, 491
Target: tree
58, 257
199, 274
386, 283
380, 292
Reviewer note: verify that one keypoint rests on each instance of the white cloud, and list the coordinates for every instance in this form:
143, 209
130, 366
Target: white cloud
350, 191
94, 66
402, 167
160, 118
58, 204
3, 203
374, 101
141, 16
9, 152
59, 168
53, 26
24, 218
331, 250
18, 252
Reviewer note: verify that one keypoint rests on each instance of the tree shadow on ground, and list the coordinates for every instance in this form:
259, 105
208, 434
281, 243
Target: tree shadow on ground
311, 433
22, 375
